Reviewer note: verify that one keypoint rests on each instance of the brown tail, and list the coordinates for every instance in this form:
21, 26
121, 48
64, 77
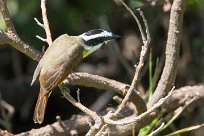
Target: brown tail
40, 107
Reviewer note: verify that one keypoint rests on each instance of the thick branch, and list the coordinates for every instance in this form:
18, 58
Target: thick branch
89, 80
80, 123
15, 41
172, 52
12, 38
6, 16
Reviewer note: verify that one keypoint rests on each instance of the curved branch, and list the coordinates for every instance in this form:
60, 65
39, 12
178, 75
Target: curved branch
168, 76
12, 38
15, 41
144, 52
89, 80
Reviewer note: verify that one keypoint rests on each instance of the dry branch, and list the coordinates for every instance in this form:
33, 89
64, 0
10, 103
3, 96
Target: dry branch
80, 123
172, 52
94, 115
46, 23
89, 80
146, 41
12, 38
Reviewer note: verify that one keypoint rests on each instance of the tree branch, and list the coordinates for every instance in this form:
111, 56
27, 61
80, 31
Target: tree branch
6, 16
80, 123
172, 52
89, 80
46, 23
12, 38
146, 41
141, 117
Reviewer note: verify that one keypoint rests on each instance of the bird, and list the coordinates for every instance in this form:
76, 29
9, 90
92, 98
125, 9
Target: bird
60, 58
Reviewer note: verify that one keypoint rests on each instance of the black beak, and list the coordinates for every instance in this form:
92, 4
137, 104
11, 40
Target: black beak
115, 36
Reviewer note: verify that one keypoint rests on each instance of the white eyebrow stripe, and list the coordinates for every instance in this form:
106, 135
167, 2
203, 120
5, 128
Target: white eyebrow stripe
103, 34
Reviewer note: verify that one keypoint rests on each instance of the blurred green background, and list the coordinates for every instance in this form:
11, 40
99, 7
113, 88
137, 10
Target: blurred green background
77, 16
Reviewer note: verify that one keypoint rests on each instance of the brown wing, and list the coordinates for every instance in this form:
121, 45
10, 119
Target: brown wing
45, 56
37, 71
59, 60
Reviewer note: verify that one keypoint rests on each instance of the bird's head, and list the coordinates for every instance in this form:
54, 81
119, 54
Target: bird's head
94, 39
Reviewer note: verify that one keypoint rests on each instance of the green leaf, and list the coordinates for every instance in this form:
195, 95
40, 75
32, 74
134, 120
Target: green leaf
146, 130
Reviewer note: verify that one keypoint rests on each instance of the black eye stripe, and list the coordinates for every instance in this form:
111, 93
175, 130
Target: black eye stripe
93, 42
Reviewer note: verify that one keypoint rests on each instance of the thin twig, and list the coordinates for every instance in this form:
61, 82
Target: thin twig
96, 118
136, 19
45, 22
140, 65
89, 80
79, 105
155, 132
141, 116
100, 133
38, 22
42, 39
184, 130
146, 26
178, 113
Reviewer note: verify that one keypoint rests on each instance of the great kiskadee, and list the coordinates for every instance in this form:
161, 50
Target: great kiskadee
65, 53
